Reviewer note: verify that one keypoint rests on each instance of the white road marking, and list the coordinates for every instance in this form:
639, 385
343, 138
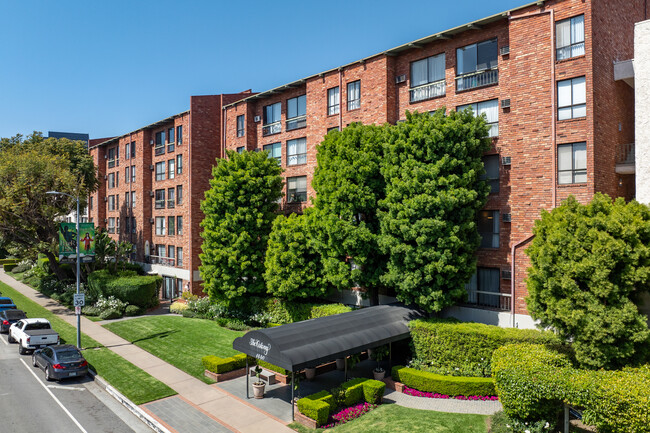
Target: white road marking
5, 341
53, 396
71, 388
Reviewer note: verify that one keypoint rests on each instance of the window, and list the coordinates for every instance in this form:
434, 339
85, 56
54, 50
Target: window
117, 178
428, 78
333, 101
333, 128
297, 112
483, 282
570, 38
171, 198
133, 149
488, 228
111, 157
171, 168
90, 203
179, 256
491, 163
179, 164
297, 189
127, 174
160, 170
179, 194
571, 98
111, 180
111, 202
170, 254
161, 250
133, 199
160, 226
117, 202
179, 225
297, 151
127, 151
491, 111
572, 163
354, 95
170, 139
127, 200
133, 174
171, 227
476, 65
160, 199
179, 134
133, 225
275, 151
241, 121
272, 123
160, 143
127, 224
111, 225
241, 149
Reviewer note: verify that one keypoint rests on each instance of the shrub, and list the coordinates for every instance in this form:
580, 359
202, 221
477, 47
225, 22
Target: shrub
328, 310
236, 325
353, 391
178, 307
110, 314
132, 310
437, 383
190, 314
8, 267
140, 290
316, 406
201, 307
110, 303
281, 311
373, 391
89, 310
216, 364
272, 367
466, 349
23, 266
4, 261
189, 296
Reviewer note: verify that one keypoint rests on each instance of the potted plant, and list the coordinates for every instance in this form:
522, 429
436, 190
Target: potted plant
258, 387
378, 354
310, 373
340, 364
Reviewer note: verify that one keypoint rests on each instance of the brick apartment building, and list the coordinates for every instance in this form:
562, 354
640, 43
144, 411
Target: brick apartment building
543, 74
152, 182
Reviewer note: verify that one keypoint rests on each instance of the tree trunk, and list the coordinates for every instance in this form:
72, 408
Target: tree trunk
54, 266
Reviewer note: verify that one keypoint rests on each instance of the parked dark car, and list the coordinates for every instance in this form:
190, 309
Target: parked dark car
60, 362
7, 304
9, 317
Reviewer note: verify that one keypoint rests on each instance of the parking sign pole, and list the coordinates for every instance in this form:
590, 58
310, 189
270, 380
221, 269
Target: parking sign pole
78, 276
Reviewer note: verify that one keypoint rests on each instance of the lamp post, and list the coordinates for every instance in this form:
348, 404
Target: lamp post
78, 261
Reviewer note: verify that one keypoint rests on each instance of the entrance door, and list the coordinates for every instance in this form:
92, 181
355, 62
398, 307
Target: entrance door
169, 288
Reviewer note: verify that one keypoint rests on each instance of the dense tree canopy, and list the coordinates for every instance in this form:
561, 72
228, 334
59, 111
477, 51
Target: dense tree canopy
589, 265
239, 209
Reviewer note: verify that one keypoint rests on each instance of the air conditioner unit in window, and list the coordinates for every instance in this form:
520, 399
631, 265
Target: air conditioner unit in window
105, 177
505, 103
151, 220
400, 79
151, 142
257, 149
256, 119
105, 199
151, 194
507, 217
105, 220
506, 274
504, 50
151, 167
506, 160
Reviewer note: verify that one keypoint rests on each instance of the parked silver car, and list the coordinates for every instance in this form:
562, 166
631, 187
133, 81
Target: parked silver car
60, 362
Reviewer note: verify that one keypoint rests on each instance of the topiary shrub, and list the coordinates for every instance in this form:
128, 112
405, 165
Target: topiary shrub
328, 310
449, 385
140, 290
353, 390
272, 367
110, 314
132, 310
316, 406
216, 364
373, 391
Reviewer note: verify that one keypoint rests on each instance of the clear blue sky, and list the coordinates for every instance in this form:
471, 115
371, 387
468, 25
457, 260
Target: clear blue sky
109, 67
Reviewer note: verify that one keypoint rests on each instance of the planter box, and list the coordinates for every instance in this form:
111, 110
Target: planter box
395, 386
304, 420
220, 377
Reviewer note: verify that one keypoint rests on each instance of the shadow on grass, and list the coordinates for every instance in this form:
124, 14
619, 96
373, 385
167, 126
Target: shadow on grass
157, 335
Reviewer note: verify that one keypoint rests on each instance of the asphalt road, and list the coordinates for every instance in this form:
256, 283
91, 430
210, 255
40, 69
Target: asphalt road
28, 403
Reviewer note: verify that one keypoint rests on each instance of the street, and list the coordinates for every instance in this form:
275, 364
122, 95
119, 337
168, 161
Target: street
28, 403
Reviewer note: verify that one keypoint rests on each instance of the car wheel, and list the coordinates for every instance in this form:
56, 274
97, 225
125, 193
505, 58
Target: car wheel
10, 339
21, 349
48, 375
34, 363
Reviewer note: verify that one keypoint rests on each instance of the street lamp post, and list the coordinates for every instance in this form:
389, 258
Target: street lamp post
78, 263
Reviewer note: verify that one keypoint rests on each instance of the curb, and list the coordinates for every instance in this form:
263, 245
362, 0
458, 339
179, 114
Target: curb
132, 407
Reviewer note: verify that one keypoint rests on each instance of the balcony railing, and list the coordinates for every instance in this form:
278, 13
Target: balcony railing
272, 128
159, 150
160, 204
428, 91
477, 79
171, 203
499, 301
162, 260
570, 51
296, 123
625, 154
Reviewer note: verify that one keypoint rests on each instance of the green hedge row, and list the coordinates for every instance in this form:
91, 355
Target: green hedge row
282, 311
8, 261
467, 346
127, 286
316, 406
216, 364
533, 381
9, 266
272, 367
449, 385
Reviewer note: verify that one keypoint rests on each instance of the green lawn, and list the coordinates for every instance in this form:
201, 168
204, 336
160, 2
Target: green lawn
180, 341
134, 383
391, 418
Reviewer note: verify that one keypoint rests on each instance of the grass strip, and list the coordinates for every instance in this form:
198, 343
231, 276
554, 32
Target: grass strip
179, 341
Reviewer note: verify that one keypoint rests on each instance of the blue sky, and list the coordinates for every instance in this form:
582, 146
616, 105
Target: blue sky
109, 67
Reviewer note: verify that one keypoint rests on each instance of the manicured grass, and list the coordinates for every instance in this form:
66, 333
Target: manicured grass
391, 418
134, 383
180, 341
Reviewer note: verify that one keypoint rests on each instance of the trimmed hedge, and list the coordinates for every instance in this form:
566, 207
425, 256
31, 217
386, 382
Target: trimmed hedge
449, 385
127, 286
216, 364
9, 266
353, 391
282, 311
533, 382
272, 367
5, 261
467, 346
316, 406
373, 391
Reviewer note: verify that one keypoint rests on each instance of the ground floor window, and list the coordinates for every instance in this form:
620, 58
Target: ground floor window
483, 283
171, 287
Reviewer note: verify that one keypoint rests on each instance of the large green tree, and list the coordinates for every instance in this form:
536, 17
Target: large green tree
431, 166
28, 169
589, 265
349, 186
239, 209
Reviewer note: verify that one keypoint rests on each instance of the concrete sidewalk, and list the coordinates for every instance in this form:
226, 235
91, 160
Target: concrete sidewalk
231, 414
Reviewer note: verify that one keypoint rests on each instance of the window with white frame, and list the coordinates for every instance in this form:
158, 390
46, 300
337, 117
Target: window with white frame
127, 151
491, 111
111, 180
428, 78
297, 189
488, 228
179, 164
179, 225
111, 225
572, 163
333, 101
297, 151
179, 194
133, 199
171, 226
171, 198
111, 202
127, 174
297, 112
171, 253
160, 226
161, 250
476, 65
354, 95
179, 256
275, 151
171, 168
479, 288
570, 38
127, 199
241, 122
272, 117
111, 157
160, 170
571, 98
133, 174
160, 199
133, 226
491, 163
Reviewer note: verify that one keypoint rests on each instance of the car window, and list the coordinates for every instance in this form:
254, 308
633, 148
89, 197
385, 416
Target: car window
47, 352
68, 355
33, 326
6, 301
14, 314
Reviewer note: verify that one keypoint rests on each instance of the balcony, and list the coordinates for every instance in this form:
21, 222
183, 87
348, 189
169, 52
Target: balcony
296, 123
498, 301
428, 91
162, 260
625, 159
159, 150
272, 128
477, 79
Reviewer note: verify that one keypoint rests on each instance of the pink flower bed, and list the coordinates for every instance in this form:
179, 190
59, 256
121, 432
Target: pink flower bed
350, 413
416, 393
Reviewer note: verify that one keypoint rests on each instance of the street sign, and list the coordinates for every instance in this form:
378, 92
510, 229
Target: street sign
77, 310
79, 299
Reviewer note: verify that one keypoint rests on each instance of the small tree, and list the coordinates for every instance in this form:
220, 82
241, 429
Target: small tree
431, 166
293, 267
239, 209
589, 265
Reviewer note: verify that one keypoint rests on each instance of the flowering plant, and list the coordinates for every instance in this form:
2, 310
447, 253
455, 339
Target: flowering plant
416, 393
350, 413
